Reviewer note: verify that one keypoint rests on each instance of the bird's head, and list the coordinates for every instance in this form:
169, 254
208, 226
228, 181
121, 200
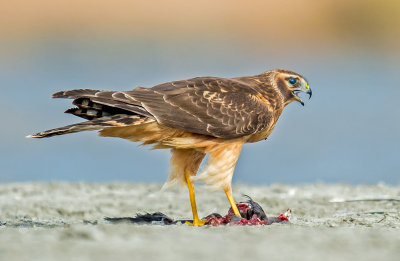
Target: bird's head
291, 84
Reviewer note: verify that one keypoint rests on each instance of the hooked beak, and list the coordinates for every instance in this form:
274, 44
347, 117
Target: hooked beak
306, 89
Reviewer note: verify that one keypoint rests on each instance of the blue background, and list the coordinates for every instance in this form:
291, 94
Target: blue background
349, 132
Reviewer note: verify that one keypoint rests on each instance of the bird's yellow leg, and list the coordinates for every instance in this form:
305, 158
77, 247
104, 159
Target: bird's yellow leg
196, 221
228, 193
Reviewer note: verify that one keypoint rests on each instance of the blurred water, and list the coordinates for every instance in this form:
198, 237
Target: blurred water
348, 132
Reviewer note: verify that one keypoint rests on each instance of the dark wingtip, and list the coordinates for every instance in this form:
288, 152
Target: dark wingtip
60, 94
71, 110
35, 136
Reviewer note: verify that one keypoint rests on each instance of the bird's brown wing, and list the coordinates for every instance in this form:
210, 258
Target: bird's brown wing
218, 107
111, 102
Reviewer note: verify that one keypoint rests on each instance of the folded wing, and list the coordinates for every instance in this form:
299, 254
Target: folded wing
218, 107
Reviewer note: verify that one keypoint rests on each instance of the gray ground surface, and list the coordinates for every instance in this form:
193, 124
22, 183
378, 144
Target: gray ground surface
62, 221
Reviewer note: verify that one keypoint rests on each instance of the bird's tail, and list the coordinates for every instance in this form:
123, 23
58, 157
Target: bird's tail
118, 120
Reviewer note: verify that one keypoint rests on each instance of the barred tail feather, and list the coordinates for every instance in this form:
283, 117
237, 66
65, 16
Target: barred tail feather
63, 130
119, 120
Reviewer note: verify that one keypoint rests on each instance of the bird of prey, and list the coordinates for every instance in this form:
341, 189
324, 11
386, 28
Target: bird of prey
194, 117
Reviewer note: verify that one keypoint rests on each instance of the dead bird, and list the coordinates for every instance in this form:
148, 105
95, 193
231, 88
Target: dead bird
250, 211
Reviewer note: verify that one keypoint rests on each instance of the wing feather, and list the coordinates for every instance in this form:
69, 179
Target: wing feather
219, 107
113, 99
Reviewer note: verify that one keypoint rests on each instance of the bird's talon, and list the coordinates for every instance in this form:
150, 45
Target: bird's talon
197, 223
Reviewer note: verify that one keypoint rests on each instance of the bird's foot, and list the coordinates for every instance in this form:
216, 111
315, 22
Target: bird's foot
197, 222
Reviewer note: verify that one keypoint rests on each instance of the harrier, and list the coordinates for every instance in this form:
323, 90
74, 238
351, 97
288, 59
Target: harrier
194, 117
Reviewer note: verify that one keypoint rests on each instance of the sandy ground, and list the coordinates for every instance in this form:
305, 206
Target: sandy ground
63, 221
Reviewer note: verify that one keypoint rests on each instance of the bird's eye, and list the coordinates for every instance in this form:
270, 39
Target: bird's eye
292, 80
